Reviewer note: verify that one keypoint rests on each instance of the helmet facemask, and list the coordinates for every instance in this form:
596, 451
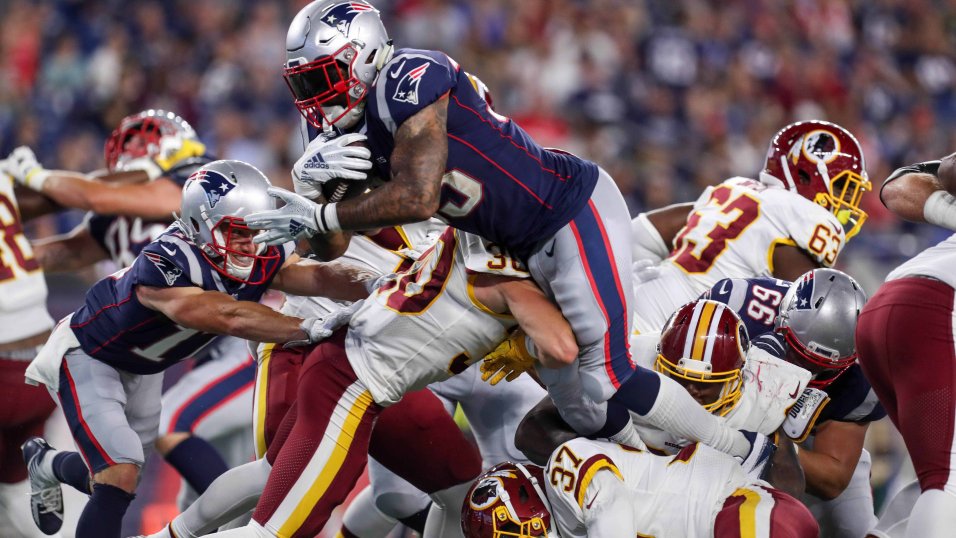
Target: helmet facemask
326, 90
700, 372
843, 200
825, 364
232, 251
158, 135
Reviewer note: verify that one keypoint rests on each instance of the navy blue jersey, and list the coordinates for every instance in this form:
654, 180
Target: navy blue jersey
498, 182
114, 327
124, 237
756, 300
851, 397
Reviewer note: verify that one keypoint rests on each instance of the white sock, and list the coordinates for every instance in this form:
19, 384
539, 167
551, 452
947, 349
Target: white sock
252, 530
444, 517
677, 412
933, 516
364, 519
897, 511
46, 465
15, 511
231, 495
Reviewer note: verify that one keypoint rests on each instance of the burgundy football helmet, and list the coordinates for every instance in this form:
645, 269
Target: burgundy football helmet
508, 500
154, 134
705, 342
823, 162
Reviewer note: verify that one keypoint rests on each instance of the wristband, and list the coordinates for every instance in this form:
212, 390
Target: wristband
327, 218
940, 209
36, 178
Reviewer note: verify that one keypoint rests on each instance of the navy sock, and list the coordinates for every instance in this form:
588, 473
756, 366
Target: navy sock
69, 468
617, 419
416, 521
639, 392
198, 462
103, 515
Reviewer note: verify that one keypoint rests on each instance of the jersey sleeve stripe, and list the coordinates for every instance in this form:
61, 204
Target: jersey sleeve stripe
587, 471
260, 405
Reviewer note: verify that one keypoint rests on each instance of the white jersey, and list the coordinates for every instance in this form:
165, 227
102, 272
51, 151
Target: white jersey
937, 262
22, 286
427, 324
672, 497
732, 233
770, 386
380, 253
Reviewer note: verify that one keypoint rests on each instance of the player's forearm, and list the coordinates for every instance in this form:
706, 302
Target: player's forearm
391, 204
826, 476
67, 253
330, 246
155, 200
255, 322
335, 280
906, 195
785, 472
924, 192
32, 204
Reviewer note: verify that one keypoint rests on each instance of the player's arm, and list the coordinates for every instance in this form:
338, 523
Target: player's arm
335, 280
553, 340
653, 232
219, 313
836, 451
417, 166
542, 431
68, 252
151, 200
785, 472
923, 192
789, 262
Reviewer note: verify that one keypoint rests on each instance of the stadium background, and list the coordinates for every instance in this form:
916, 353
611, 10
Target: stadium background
669, 96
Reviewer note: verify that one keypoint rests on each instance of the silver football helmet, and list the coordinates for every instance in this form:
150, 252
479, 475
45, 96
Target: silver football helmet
154, 134
216, 199
818, 320
334, 51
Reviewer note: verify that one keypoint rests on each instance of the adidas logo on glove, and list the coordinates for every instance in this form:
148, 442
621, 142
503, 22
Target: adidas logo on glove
316, 162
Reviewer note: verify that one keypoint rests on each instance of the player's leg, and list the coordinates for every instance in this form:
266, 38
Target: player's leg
209, 402
23, 414
277, 381
896, 513
417, 439
586, 268
850, 514
756, 511
319, 462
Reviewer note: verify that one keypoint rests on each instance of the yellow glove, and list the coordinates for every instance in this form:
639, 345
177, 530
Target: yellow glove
508, 361
188, 149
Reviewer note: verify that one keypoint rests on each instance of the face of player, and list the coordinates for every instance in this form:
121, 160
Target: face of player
242, 249
703, 393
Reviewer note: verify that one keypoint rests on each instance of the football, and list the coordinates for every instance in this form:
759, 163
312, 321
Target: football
336, 190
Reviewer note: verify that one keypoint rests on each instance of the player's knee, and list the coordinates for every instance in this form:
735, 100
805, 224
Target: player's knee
166, 443
122, 475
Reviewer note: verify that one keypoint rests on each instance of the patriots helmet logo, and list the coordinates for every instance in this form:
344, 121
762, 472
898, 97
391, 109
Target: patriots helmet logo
407, 90
341, 15
166, 267
214, 184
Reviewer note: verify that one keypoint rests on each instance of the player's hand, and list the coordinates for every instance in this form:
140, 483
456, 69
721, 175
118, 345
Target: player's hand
761, 450
23, 166
328, 158
320, 328
294, 220
508, 361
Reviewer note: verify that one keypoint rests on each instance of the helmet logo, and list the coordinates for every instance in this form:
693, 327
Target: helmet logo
485, 493
168, 269
407, 90
820, 147
214, 184
340, 16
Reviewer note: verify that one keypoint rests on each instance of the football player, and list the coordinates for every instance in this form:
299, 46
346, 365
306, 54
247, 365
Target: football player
200, 279
24, 326
796, 217
445, 152
905, 339
148, 158
601, 490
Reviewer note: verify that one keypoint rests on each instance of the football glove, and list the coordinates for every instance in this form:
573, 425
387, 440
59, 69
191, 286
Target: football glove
298, 218
508, 361
328, 158
23, 166
322, 327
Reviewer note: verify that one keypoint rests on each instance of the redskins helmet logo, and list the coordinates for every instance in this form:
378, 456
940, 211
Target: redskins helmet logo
485, 493
819, 147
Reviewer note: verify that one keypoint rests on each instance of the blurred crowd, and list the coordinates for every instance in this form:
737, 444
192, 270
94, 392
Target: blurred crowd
667, 95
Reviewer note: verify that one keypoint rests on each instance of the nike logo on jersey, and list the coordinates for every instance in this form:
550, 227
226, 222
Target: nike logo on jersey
588, 507
407, 90
795, 391
168, 269
171, 252
723, 288
398, 70
549, 252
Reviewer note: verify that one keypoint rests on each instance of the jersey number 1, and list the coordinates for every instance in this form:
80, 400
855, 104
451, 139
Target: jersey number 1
697, 247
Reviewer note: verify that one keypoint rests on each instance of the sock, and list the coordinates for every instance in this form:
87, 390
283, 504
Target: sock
103, 515
197, 461
933, 516
618, 418
232, 494
896, 511
69, 468
416, 522
363, 519
675, 411
444, 516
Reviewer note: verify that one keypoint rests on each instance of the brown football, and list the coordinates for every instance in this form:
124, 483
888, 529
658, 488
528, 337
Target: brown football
336, 190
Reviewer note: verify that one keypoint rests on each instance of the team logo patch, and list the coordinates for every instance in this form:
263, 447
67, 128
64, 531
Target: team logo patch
341, 16
407, 90
818, 147
486, 493
169, 270
215, 184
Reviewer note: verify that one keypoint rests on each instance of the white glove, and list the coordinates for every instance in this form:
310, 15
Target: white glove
299, 217
23, 166
320, 328
761, 450
330, 158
